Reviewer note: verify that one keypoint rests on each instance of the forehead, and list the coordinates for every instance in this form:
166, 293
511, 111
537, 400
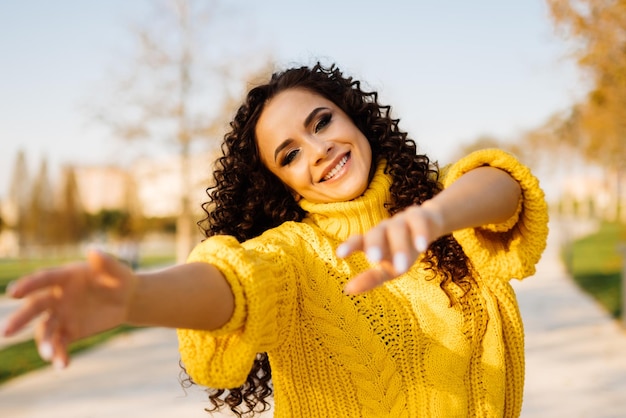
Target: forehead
293, 102
286, 112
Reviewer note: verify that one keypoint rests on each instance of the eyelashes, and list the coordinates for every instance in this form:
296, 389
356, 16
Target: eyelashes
323, 122
291, 155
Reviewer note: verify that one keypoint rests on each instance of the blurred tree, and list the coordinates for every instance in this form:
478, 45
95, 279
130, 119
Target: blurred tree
71, 218
108, 221
15, 205
490, 141
539, 146
39, 217
133, 226
597, 126
178, 89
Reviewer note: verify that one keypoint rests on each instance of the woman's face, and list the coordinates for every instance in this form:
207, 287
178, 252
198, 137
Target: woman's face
313, 147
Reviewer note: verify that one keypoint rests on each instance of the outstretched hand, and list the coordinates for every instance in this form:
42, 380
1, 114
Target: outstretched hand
71, 302
393, 246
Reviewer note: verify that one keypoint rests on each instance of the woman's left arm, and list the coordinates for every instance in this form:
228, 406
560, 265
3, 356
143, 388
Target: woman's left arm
482, 196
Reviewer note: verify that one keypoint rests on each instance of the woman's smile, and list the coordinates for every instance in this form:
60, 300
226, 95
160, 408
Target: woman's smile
338, 170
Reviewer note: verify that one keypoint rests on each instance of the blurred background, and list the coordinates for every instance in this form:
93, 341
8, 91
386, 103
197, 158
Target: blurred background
111, 113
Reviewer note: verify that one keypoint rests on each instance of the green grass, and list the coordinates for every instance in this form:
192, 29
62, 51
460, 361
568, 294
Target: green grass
596, 265
22, 358
11, 269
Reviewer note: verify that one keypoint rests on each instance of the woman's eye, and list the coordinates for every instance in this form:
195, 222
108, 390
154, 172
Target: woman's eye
289, 157
324, 120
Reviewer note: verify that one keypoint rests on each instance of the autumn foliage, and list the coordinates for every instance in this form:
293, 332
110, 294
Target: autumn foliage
596, 125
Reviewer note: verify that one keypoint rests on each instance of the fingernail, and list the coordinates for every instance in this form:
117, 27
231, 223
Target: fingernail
400, 262
58, 364
421, 244
10, 288
45, 350
342, 250
347, 289
351, 289
374, 254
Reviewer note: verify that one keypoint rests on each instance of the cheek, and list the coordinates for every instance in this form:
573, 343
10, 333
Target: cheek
366, 151
289, 177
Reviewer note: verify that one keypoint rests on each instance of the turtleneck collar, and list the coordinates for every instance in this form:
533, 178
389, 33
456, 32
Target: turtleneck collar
342, 219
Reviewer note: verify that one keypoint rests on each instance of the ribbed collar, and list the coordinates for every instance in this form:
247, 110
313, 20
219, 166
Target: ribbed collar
342, 219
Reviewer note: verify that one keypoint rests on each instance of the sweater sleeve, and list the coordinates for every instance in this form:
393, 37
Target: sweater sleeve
261, 276
510, 249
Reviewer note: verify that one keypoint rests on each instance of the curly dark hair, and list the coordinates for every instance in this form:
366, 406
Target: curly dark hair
247, 199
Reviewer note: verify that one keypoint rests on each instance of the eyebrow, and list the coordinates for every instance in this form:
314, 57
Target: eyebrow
307, 122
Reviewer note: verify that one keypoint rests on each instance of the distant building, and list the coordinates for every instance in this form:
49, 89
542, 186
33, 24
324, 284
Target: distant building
102, 187
596, 194
160, 185
153, 186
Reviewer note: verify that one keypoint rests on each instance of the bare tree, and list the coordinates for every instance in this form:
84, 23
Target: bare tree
70, 214
39, 216
177, 91
15, 205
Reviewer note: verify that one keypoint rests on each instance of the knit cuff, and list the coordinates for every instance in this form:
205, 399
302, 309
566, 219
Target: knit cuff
223, 358
510, 249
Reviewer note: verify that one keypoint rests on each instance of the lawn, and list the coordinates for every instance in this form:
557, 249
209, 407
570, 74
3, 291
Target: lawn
11, 269
23, 357
595, 263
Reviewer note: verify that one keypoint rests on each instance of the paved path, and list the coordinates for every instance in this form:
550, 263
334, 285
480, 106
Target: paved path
133, 375
576, 365
575, 353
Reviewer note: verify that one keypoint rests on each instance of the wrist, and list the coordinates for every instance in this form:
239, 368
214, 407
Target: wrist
436, 219
132, 311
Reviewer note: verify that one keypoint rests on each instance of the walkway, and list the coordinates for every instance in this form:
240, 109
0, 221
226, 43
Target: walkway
575, 353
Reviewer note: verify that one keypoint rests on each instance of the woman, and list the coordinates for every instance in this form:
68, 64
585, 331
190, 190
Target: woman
372, 282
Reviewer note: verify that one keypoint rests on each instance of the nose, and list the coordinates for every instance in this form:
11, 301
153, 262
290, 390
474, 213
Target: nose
320, 150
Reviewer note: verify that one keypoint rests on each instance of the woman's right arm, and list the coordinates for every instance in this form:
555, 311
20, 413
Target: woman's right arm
193, 296
82, 299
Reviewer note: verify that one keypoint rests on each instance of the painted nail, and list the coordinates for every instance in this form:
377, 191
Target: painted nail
58, 364
45, 350
348, 288
342, 250
10, 288
374, 254
421, 244
400, 262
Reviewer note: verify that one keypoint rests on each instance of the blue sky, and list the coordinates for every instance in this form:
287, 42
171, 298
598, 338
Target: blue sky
452, 69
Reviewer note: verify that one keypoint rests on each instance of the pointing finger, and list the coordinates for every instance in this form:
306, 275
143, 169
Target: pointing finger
39, 280
369, 279
352, 244
32, 307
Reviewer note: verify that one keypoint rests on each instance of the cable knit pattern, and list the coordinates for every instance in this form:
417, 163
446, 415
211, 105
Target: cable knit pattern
398, 351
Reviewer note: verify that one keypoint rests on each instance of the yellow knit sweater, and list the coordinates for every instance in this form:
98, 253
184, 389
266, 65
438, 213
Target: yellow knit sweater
398, 351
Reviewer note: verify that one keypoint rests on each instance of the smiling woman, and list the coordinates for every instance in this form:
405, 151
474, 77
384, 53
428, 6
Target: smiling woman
342, 271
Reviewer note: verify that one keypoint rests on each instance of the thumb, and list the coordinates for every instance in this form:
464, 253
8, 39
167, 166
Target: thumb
97, 260
103, 263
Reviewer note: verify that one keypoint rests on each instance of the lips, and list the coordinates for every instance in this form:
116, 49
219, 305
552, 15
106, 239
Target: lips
336, 168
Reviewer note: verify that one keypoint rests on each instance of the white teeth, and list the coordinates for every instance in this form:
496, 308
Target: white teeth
335, 170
